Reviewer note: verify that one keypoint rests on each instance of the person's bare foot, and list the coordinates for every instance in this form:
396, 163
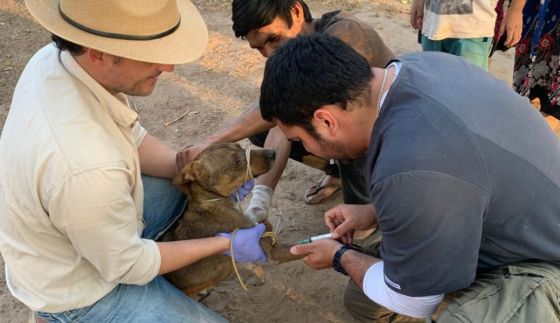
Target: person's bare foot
322, 190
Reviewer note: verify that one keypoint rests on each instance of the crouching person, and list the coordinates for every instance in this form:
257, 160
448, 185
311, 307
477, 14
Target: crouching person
463, 177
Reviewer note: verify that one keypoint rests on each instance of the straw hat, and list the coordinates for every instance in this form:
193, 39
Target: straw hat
155, 31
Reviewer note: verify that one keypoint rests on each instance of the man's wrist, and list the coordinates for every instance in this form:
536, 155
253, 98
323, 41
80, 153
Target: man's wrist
224, 240
337, 259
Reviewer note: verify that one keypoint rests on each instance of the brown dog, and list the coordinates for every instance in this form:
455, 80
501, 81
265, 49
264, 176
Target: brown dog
208, 181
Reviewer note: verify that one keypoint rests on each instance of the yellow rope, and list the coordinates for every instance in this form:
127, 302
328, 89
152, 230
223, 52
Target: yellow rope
233, 260
269, 234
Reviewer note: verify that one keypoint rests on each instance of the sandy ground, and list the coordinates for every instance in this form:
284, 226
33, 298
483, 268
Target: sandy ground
214, 89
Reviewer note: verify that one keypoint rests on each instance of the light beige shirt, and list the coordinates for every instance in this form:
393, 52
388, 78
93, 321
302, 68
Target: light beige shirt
459, 19
71, 193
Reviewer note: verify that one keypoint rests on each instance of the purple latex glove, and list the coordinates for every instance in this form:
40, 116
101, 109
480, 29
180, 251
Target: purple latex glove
246, 246
243, 191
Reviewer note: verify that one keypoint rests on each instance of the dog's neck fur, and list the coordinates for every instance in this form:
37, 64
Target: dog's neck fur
199, 194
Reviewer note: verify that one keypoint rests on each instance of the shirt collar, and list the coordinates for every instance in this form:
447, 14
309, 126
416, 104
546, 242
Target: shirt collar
117, 106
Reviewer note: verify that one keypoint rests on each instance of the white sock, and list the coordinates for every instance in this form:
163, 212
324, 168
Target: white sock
258, 208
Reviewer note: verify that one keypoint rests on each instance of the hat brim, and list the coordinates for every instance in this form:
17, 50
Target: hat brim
184, 45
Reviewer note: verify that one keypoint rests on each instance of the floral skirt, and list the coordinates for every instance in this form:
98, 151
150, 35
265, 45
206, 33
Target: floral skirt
537, 63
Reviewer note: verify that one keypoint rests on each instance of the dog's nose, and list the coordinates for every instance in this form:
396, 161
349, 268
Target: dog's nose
270, 154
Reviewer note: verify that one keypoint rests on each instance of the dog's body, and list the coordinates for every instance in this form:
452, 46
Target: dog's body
208, 181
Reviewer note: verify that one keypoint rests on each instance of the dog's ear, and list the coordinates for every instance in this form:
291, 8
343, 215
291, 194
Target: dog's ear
187, 174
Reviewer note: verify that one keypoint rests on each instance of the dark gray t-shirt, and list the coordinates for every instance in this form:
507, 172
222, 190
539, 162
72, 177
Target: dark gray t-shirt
356, 33
465, 176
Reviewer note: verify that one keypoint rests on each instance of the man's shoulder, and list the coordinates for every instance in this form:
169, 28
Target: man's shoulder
336, 22
356, 33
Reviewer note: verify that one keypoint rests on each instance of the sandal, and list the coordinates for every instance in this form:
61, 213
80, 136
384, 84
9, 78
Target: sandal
322, 190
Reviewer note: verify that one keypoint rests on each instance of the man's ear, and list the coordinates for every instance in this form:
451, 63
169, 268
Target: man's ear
326, 119
96, 57
187, 174
298, 15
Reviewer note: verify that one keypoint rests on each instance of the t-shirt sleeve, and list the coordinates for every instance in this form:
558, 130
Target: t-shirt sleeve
432, 227
366, 42
138, 133
96, 211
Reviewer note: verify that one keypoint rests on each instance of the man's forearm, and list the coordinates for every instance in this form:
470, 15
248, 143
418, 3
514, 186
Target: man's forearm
356, 264
247, 124
178, 254
156, 158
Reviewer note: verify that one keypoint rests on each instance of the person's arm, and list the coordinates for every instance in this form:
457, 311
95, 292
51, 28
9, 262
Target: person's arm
95, 211
247, 124
156, 158
367, 272
376, 289
417, 14
178, 254
250, 122
513, 23
344, 219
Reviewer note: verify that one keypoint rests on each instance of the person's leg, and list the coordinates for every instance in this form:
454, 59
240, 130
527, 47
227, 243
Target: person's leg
475, 50
429, 45
157, 301
163, 205
365, 310
524, 292
354, 181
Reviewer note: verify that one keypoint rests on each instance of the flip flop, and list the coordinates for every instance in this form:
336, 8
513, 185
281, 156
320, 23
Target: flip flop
321, 191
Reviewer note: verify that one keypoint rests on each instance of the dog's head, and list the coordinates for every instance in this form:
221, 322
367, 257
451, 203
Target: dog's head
222, 168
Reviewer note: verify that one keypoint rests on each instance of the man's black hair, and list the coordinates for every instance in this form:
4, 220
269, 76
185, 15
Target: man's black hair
64, 44
252, 14
309, 72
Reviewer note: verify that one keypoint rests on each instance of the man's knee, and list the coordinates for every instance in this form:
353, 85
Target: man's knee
358, 304
525, 292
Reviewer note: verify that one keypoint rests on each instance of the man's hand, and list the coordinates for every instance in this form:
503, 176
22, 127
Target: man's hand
417, 14
246, 246
318, 254
513, 25
189, 154
344, 219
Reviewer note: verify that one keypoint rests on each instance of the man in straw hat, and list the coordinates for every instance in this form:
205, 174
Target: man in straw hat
466, 193
78, 215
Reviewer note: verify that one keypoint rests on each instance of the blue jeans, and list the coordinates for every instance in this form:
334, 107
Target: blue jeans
157, 301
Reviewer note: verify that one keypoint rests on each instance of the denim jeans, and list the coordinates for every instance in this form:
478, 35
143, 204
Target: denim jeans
157, 301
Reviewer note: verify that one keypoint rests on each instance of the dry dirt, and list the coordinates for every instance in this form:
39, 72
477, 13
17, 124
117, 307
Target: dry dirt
215, 89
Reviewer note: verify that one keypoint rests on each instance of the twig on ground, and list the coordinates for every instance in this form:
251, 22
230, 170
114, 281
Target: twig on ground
167, 124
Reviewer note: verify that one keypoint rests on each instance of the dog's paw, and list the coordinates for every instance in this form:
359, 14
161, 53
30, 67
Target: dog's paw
256, 214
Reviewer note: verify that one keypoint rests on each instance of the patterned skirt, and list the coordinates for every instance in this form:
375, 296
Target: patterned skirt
537, 55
